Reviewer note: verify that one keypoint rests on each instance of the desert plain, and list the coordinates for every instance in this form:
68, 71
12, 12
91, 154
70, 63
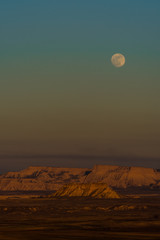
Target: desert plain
31, 216
106, 202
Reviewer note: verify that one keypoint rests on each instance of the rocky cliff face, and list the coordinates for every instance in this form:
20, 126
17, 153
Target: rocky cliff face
40, 178
124, 177
50, 178
95, 190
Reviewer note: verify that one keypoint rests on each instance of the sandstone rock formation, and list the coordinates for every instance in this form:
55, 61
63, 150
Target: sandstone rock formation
95, 190
50, 178
40, 178
124, 177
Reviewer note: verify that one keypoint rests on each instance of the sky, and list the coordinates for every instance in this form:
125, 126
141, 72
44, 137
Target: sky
62, 101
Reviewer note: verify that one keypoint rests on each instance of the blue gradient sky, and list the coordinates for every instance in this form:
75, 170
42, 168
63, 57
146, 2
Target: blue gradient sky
60, 94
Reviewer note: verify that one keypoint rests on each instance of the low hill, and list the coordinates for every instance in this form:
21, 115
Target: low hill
95, 190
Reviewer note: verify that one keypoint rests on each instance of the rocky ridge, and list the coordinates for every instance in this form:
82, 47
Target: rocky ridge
124, 177
40, 178
50, 178
94, 190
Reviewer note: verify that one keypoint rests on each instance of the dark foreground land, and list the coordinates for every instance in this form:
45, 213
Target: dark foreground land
79, 218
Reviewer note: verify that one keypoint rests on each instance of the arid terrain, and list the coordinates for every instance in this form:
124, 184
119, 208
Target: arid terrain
106, 202
51, 178
39, 217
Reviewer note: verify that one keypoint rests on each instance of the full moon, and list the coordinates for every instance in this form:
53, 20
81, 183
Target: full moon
118, 60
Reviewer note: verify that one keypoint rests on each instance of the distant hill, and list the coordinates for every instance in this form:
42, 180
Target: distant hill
50, 178
95, 190
124, 177
41, 178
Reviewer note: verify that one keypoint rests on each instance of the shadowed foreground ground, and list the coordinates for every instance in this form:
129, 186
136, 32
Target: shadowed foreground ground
79, 218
